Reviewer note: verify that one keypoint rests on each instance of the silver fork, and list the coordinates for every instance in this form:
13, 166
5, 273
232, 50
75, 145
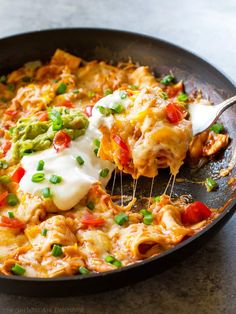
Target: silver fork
203, 116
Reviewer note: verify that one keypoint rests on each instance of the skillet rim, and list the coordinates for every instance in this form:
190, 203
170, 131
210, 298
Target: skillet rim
229, 209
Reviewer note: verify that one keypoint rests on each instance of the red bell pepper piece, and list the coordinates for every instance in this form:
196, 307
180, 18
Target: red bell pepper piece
173, 113
61, 141
18, 174
195, 213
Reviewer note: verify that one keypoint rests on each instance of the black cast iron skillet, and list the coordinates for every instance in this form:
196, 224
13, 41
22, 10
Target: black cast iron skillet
161, 56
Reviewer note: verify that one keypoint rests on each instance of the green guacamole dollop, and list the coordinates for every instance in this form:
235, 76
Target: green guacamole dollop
31, 135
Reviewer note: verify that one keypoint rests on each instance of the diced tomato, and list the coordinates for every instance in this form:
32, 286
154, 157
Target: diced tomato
195, 213
88, 111
5, 147
11, 113
68, 104
18, 174
173, 113
43, 116
61, 141
90, 221
120, 142
12, 223
3, 196
124, 150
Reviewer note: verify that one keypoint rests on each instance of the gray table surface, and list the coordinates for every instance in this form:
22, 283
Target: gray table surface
206, 282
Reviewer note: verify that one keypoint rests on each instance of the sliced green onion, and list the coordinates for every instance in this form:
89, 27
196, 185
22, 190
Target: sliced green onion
12, 199
3, 79
182, 97
147, 216
3, 164
80, 160
75, 91
11, 87
46, 192
91, 205
118, 108
44, 232
134, 87
105, 111
61, 89
166, 80
18, 270
83, 270
121, 218
5, 179
40, 165
57, 122
210, 184
3, 99
112, 260
10, 214
55, 179
27, 152
26, 79
96, 143
95, 151
104, 172
38, 177
91, 94
56, 250
164, 95
10, 130
123, 95
217, 128
108, 92
157, 198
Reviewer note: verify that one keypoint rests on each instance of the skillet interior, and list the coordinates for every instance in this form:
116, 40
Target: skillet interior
161, 57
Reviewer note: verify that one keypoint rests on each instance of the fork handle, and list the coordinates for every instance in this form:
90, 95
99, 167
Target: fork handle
224, 105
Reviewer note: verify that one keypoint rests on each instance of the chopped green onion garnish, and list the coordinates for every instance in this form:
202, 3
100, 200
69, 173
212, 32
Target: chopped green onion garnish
83, 270
80, 160
167, 79
10, 214
164, 95
112, 260
123, 95
26, 79
27, 152
91, 94
3, 164
3, 99
210, 184
157, 198
61, 89
11, 87
118, 108
5, 179
3, 79
75, 91
104, 173
217, 128
10, 130
95, 151
57, 122
182, 97
147, 216
133, 87
18, 270
55, 179
96, 142
104, 111
40, 165
121, 218
46, 192
56, 250
108, 92
44, 232
12, 199
57, 125
91, 205
38, 177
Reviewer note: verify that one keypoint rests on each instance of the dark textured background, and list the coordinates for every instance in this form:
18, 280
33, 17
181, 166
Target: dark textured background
206, 282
